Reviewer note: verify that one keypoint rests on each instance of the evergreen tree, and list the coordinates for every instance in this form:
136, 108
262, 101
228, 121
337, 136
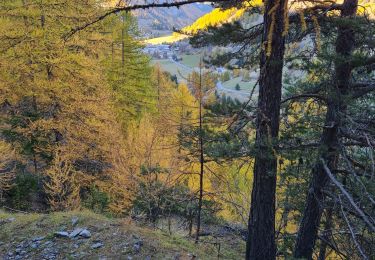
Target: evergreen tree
128, 70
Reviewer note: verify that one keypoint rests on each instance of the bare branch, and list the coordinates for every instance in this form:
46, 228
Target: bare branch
348, 197
304, 96
352, 232
361, 89
134, 7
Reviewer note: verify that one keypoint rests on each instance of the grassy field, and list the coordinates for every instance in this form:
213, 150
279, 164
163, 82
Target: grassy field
33, 237
181, 69
174, 68
191, 61
244, 86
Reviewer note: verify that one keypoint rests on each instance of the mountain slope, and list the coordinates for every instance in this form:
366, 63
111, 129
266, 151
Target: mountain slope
212, 18
161, 21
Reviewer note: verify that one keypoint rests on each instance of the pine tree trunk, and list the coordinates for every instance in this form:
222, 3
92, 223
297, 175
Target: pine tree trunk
261, 235
201, 156
330, 140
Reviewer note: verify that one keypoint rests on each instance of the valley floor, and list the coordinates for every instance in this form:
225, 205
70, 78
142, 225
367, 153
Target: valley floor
85, 235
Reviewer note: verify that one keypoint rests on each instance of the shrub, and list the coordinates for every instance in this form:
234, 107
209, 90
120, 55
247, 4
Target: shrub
156, 199
62, 185
97, 200
25, 185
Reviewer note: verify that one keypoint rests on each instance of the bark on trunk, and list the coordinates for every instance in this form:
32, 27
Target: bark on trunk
261, 227
330, 140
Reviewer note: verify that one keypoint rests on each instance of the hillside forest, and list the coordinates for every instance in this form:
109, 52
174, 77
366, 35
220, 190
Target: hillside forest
89, 123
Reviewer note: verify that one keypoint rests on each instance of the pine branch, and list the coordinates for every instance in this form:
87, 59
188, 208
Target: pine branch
361, 89
304, 96
348, 197
134, 7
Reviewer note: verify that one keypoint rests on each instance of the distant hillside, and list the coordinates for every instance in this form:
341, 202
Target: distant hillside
161, 21
213, 18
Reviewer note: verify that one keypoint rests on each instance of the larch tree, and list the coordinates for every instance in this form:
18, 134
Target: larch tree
128, 69
56, 93
193, 136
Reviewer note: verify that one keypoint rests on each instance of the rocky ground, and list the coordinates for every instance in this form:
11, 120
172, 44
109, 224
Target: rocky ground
85, 235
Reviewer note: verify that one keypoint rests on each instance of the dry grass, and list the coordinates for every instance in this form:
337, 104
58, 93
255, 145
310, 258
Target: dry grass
117, 235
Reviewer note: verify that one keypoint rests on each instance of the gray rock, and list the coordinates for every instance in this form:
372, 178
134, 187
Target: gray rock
75, 232
85, 233
130, 258
10, 254
192, 256
75, 221
62, 234
47, 243
97, 245
137, 248
34, 245
37, 239
11, 219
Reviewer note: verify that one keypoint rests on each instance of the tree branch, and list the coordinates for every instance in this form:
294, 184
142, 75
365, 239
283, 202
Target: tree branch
352, 233
361, 89
131, 8
302, 96
348, 197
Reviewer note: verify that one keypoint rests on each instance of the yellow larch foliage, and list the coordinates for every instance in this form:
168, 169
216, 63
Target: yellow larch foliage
7, 155
63, 185
66, 121
214, 18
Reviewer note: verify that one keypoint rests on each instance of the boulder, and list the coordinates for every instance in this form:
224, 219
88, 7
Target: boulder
97, 245
75, 232
85, 233
62, 234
